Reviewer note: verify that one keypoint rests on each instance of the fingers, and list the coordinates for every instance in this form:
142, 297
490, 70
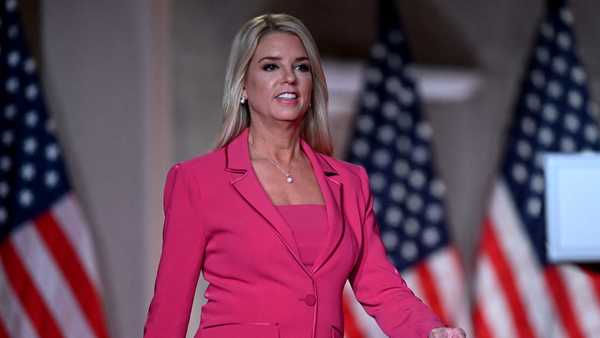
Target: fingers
447, 332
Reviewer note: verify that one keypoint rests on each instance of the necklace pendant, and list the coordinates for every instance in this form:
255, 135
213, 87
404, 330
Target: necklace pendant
289, 179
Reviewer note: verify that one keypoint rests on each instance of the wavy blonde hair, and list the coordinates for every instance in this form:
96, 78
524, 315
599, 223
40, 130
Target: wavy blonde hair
315, 128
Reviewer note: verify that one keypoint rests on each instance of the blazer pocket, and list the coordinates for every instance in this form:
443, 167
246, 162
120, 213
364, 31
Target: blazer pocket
247, 330
336, 333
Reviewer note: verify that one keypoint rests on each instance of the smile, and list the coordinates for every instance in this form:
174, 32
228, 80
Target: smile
287, 96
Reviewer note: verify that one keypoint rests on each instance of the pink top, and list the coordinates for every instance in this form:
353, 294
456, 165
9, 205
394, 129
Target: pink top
309, 225
220, 222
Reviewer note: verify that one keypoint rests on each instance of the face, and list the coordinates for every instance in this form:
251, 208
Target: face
278, 81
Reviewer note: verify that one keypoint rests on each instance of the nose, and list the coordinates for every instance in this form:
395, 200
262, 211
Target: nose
289, 76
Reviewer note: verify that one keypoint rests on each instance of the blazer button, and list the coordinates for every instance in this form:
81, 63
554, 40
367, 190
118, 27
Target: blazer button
310, 300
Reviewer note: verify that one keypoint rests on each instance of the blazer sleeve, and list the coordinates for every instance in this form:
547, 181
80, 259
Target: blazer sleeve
379, 287
180, 261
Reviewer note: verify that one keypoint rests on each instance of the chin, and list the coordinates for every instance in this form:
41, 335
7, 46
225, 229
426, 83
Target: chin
289, 116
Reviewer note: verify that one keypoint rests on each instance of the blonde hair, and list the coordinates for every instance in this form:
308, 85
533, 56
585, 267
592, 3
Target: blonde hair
315, 128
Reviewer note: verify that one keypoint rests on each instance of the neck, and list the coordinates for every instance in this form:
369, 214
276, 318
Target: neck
278, 144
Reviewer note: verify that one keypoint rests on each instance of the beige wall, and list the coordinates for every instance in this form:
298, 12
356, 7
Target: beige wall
106, 79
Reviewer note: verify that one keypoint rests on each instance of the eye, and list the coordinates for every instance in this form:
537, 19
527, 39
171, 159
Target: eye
269, 67
303, 67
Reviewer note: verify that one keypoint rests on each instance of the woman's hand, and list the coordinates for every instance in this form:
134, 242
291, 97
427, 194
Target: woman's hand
447, 332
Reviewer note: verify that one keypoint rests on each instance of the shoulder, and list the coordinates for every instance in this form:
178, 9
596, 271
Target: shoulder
201, 165
185, 177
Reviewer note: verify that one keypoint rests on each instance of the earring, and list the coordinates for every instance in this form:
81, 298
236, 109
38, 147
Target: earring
243, 100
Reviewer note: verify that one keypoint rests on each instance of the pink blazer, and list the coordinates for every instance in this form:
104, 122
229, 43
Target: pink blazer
219, 220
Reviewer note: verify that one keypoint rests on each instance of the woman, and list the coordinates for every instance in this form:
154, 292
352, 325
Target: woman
275, 224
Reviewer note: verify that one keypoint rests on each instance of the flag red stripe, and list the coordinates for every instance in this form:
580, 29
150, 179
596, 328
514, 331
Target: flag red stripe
506, 277
594, 278
67, 259
39, 314
457, 261
563, 304
480, 325
430, 292
351, 328
3, 331
459, 268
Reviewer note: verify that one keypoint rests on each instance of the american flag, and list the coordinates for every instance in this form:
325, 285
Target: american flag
48, 279
518, 293
392, 140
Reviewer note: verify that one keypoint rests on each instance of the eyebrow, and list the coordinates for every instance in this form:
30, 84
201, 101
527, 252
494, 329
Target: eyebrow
277, 58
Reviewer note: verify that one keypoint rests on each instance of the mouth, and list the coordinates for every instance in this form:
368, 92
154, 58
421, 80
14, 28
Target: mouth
287, 96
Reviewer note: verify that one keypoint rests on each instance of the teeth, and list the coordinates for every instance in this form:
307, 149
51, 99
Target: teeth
287, 96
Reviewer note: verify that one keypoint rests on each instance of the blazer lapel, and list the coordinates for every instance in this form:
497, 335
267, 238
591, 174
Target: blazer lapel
245, 181
332, 189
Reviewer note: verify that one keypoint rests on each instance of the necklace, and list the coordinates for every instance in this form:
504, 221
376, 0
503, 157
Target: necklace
288, 174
